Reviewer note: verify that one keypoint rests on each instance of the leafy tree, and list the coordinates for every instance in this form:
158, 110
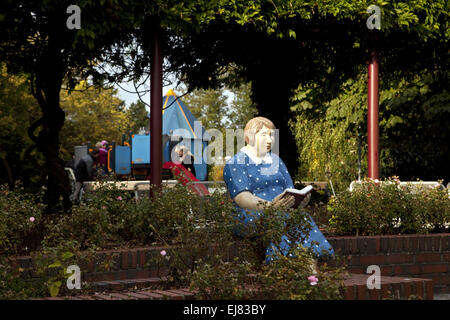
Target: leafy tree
414, 130
222, 108
242, 107
37, 42
278, 45
138, 116
213, 109
275, 45
209, 107
415, 124
18, 109
92, 114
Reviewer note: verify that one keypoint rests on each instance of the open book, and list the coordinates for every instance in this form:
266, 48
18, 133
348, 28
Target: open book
299, 195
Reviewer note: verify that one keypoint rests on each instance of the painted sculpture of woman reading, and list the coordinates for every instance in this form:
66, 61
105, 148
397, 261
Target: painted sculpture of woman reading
256, 177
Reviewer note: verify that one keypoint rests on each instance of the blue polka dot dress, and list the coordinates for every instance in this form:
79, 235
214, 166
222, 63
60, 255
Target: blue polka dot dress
266, 179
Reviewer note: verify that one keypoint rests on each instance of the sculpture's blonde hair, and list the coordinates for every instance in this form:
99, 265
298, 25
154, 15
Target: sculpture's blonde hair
254, 126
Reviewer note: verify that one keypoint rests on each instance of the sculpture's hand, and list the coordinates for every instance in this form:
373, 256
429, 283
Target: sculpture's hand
305, 201
284, 202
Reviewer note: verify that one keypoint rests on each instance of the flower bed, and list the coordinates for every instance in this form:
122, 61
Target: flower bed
179, 218
384, 208
141, 266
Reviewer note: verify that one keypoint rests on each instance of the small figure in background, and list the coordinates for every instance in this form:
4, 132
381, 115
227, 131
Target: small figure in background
185, 157
84, 171
173, 142
182, 167
71, 163
103, 156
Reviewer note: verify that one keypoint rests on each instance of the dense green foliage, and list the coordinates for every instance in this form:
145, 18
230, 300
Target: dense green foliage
20, 218
286, 278
276, 46
209, 107
315, 45
384, 208
93, 114
204, 229
37, 43
138, 115
18, 110
299, 54
413, 123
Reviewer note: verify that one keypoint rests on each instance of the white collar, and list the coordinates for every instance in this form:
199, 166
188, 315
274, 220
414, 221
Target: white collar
267, 158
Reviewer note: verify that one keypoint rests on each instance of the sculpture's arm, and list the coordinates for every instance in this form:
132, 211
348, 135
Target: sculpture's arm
247, 200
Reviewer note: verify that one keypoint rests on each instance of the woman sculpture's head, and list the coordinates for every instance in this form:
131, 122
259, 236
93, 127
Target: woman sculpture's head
258, 133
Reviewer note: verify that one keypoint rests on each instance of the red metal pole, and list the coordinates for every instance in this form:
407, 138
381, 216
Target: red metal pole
156, 112
372, 116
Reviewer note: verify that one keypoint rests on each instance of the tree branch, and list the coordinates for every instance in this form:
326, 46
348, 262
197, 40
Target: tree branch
33, 127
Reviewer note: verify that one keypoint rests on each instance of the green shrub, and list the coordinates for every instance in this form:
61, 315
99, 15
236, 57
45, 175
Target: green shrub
51, 263
285, 278
434, 206
166, 212
222, 265
384, 208
203, 229
14, 287
20, 221
91, 227
98, 222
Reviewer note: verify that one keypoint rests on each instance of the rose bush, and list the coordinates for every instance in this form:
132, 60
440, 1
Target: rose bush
376, 208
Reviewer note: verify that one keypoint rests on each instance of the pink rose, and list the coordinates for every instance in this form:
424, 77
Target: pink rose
163, 252
313, 280
119, 198
32, 219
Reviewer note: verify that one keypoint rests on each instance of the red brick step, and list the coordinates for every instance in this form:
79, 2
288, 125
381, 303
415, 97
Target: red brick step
355, 288
392, 288
120, 285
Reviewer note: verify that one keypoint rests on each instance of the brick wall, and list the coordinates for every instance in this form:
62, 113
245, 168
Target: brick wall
416, 256
122, 264
421, 256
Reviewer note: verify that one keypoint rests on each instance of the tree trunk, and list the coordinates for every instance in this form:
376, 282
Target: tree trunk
273, 78
272, 101
47, 87
8, 170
